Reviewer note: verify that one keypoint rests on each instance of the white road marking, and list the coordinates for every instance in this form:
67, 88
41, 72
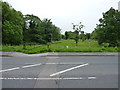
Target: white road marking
19, 67
51, 63
91, 77
28, 66
62, 63
70, 63
9, 69
68, 69
70, 78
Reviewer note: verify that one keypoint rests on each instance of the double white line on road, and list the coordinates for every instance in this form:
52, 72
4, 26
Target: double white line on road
66, 70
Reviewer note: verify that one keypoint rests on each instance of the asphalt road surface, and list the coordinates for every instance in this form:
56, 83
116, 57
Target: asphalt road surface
60, 72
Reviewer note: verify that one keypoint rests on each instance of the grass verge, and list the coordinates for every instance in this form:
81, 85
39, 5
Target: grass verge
61, 46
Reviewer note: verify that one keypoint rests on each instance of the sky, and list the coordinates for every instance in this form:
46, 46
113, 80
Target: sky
65, 12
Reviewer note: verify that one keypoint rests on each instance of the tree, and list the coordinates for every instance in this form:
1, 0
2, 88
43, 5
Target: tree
40, 31
12, 25
32, 31
71, 35
88, 35
109, 28
0, 23
62, 36
49, 31
20, 29
66, 35
77, 29
12, 34
82, 36
56, 33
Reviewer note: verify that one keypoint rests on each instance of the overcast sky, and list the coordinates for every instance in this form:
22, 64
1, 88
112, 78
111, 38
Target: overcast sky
65, 12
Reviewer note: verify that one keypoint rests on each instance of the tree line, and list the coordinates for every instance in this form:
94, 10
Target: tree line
106, 32
18, 28
72, 34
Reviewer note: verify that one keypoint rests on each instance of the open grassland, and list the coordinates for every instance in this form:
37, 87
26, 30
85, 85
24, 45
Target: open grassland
61, 46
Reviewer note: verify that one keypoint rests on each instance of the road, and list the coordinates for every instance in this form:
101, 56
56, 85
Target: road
60, 72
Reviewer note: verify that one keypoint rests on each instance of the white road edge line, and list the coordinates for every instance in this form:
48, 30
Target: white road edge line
9, 69
28, 66
66, 70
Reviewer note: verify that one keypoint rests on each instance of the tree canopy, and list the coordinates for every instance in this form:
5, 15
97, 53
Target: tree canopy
12, 21
109, 28
19, 28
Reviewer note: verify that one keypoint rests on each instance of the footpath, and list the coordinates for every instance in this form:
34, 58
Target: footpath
13, 54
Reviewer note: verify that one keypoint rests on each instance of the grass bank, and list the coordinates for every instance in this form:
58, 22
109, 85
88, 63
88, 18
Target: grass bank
61, 46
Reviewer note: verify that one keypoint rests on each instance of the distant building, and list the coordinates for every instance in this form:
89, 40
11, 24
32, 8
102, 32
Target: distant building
119, 6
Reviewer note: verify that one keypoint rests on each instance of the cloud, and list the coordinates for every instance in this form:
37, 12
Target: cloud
65, 12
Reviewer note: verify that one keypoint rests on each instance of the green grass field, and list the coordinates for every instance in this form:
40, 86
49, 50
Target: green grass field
61, 46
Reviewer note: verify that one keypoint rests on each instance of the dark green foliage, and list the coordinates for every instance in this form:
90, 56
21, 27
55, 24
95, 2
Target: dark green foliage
12, 25
82, 36
12, 34
20, 29
76, 36
69, 35
88, 35
40, 31
66, 35
49, 31
63, 36
32, 29
0, 23
108, 30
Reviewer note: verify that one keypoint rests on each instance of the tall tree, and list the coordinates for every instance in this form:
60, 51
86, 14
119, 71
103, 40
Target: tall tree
50, 31
12, 25
32, 29
19, 28
109, 28
0, 22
